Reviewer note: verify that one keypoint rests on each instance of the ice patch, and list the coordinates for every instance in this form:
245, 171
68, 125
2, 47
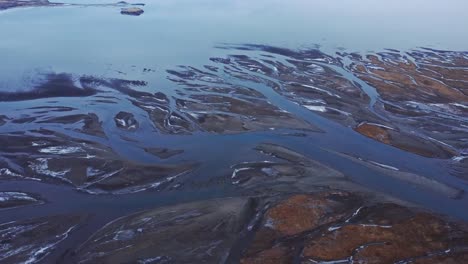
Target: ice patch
15, 252
317, 108
210, 79
38, 144
103, 177
40, 253
459, 158
8, 172
254, 222
341, 261
146, 219
249, 162
340, 111
169, 179
317, 59
269, 223
372, 67
375, 124
45, 250
149, 107
153, 260
460, 105
121, 122
234, 174
15, 196
384, 166
440, 142
155, 107
91, 172
42, 167
381, 226
269, 171
354, 214
315, 101
316, 68
61, 150
124, 235
321, 90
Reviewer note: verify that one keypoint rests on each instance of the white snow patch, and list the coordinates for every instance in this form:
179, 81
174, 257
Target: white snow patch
333, 228
321, 90
124, 235
92, 172
375, 124
384, 166
38, 144
459, 158
41, 166
61, 150
460, 105
354, 214
121, 122
151, 260
89, 156
234, 174
8, 172
381, 226
269, 223
316, 68
15, 196
318, 108
45, 250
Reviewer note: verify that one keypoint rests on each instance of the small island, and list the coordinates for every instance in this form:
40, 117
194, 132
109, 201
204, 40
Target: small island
132, 11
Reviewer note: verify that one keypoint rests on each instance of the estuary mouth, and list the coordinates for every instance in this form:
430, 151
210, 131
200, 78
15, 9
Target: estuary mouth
141, 138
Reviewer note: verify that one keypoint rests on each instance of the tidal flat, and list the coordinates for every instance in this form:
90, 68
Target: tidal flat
144, 144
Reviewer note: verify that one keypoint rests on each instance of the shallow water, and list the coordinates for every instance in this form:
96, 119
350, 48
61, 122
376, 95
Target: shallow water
99, 41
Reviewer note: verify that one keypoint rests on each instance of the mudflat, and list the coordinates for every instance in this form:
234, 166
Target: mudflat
225, 152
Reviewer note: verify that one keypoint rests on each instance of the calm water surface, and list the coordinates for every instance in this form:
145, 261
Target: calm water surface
100, 41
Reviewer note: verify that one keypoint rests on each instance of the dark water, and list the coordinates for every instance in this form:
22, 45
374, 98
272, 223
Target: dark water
99, 41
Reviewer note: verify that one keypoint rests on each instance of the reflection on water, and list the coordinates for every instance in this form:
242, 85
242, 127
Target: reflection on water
98, 40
